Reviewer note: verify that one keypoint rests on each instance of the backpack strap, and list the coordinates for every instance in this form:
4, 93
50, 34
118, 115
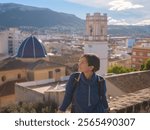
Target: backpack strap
77, 77
100, 85
101, 96
76, 80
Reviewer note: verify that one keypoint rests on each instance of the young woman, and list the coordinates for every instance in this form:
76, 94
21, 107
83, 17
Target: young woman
86, 90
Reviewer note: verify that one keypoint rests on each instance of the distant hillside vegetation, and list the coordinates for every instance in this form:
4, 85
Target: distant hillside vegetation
14, 15
120, 30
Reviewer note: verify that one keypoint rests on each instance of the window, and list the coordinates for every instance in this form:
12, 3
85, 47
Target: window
3, 78
148, 54
57, 70
50, 74
91, 30
19, 76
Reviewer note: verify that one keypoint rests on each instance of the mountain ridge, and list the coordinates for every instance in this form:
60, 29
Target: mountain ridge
17, 15
14, 15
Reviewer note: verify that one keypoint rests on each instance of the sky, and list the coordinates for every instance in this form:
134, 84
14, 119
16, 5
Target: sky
119, 12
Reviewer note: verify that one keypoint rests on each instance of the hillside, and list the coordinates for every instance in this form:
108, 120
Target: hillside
134, 31
14, 15
34, 18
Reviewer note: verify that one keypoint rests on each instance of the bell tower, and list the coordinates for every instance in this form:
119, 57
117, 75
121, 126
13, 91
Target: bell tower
96, 39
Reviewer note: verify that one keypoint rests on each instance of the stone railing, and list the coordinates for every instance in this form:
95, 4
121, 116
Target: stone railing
131, 103
136, 102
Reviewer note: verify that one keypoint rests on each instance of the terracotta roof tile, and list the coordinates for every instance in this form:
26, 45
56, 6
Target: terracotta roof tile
131, 82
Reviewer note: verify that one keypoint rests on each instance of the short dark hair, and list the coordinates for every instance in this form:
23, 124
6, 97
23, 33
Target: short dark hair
92, 60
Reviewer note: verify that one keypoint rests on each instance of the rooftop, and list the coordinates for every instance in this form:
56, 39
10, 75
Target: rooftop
12, 63
31, 47
131, 82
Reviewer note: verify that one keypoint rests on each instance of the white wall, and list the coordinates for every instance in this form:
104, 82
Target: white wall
101, 50
4, 42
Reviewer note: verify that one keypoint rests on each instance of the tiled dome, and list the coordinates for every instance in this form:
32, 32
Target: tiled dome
31, 47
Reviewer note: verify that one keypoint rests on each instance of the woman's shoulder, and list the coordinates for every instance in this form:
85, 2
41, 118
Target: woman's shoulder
74, 76
100, 77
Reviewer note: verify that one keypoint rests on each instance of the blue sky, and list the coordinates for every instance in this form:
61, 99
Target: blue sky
124, 12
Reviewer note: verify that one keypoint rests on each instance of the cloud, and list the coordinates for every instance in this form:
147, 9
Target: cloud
91, 3
123, 12
112, 21
113, 4
143, 22
123, 5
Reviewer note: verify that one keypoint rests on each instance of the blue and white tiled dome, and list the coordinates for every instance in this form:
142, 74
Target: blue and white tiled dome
31, 47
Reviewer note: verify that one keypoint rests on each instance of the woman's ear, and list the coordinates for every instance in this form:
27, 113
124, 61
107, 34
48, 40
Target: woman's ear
92, 67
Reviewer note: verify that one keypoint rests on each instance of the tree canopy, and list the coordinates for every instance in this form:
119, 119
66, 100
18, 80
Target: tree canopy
146, 65
119, 69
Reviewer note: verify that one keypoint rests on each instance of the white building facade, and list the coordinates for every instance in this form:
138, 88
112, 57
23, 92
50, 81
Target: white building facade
10, 41
96, 39
3, 43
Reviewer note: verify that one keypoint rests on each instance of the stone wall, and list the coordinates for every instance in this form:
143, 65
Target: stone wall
138, 102
11, 75
130, 82
135, 102
55, 96
25, 94
7, 100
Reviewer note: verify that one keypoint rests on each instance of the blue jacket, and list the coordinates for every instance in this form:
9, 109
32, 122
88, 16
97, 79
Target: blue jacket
85, 98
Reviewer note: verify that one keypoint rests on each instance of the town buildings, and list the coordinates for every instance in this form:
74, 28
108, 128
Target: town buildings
140, 53
30, 64
44, 76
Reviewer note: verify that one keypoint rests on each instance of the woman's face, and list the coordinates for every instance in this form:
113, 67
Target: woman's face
83, 65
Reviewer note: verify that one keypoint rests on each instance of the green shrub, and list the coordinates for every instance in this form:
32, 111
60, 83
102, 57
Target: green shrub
23, 107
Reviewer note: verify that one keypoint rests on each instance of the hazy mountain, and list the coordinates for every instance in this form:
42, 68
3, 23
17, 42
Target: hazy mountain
14, 15
121, 30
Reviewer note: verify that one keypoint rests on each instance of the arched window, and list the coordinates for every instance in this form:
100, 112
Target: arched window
50, 73
19, 76
91, 30
57, 70
3, 78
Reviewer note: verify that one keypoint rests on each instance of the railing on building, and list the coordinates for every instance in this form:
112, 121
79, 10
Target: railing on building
95, 38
